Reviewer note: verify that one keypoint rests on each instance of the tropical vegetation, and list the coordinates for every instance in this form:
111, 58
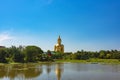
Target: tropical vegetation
27, 54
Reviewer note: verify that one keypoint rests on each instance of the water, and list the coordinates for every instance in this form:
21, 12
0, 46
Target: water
55, 71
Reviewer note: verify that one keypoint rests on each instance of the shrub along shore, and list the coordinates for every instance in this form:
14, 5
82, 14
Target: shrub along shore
90, 61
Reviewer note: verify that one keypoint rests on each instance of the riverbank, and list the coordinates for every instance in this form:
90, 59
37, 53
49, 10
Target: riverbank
92, 61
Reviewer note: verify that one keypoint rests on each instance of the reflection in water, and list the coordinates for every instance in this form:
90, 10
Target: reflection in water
2, 71
59, 71
24, 71
54, 71
48, 68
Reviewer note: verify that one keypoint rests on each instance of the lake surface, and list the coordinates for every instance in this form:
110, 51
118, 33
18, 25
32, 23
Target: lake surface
57, 71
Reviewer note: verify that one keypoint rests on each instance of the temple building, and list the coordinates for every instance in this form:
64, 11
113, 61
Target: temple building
59, 47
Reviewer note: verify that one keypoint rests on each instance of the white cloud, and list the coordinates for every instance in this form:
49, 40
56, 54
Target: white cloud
5, 36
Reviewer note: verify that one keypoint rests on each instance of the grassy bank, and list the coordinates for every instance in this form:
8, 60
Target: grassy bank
93, 61
109, 61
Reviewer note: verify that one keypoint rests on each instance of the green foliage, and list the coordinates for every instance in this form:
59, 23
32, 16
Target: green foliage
3, 55
20, 54
108, 56
33, 53
84, 55
102, 55
19, 57
58, 55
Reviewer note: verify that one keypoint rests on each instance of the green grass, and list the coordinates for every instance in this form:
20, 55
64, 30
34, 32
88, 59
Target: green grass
108, 61
93, 61
72, 61
116, 61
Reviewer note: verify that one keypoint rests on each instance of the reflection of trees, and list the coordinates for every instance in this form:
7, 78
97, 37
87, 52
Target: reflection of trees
22, 71
59, 71
48, 68
32, 72
2, 71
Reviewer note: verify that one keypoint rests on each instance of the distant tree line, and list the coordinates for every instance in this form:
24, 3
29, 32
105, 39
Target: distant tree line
84, 55
35, 54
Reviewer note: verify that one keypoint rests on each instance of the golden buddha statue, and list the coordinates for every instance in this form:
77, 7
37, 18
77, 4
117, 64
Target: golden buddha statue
59, 47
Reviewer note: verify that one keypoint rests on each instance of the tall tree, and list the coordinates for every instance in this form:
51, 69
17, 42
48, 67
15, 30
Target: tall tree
3, 54
33, 53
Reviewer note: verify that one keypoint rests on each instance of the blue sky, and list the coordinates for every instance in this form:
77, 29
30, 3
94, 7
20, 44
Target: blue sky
91, 25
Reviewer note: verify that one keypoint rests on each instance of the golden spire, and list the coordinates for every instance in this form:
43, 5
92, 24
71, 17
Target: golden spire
59, 37
59, 40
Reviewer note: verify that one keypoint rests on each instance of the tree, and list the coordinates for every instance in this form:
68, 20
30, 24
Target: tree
19, 56
33, 53
102, 54
108, 56
74, 56
3, 54
49, 53
11, 52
